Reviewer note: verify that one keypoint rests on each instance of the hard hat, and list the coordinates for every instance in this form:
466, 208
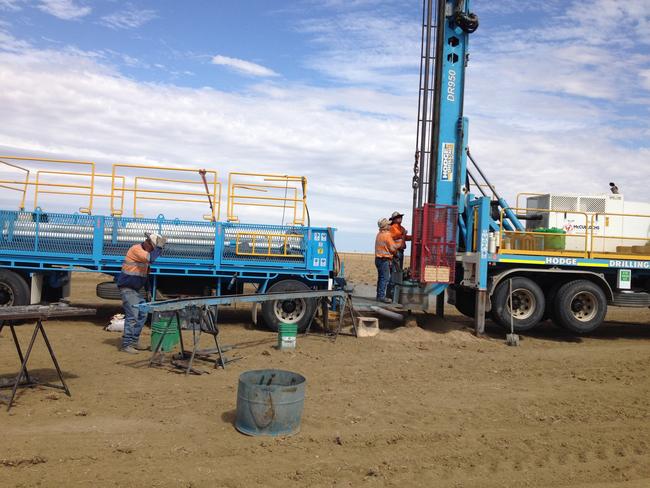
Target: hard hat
395, 215
156, 239
383, 223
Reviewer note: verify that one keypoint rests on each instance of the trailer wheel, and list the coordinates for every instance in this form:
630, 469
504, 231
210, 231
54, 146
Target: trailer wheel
299, 311
528, 304
13, 289
580, 306
108, 290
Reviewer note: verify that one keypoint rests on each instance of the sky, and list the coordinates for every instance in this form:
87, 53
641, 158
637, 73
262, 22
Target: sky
557, 93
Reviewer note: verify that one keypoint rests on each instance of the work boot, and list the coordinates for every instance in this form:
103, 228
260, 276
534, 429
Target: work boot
141, 347
386, 300
129, 350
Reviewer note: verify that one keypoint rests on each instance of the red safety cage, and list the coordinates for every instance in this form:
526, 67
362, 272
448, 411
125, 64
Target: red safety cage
433, 250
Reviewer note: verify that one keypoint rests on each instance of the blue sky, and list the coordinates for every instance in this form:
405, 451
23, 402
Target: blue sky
558, 93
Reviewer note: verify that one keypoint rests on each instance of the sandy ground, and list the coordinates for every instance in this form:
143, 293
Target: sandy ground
428, 406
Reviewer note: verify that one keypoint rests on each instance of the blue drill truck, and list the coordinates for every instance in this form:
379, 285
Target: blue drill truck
566, 257
39, 249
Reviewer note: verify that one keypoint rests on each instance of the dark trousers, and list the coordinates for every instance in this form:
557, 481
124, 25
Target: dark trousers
398, 261
383, 276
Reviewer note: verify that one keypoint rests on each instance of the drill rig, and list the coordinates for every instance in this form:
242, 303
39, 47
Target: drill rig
488, 257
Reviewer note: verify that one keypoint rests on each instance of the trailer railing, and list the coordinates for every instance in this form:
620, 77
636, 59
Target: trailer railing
131, 189
85, 190
166, 188
268, 190
621, 235
26, 183
585, 235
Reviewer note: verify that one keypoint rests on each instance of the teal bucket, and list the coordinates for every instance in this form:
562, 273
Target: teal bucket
270, 402
287, 336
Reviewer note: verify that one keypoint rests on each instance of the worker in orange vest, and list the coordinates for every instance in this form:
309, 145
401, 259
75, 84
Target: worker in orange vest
400, 236
133, 277
385, 250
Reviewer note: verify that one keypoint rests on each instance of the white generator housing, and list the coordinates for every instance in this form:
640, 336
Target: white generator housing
582, 216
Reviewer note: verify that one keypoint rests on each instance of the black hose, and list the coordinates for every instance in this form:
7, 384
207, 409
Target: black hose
466, 21
337, 258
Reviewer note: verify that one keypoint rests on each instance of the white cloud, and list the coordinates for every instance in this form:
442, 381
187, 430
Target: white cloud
243, 66
366, 48
645, 78
130, 18
349, 155
64, 9
11, 5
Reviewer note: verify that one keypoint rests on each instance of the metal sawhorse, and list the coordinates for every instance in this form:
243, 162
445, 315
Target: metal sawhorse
40, 313
208, 309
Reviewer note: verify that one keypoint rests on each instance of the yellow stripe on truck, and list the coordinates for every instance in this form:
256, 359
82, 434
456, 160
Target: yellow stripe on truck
522, 261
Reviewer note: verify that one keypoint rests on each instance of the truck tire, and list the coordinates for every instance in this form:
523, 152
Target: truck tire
108, 290
299, 311
580, 306
528, 303
14, 290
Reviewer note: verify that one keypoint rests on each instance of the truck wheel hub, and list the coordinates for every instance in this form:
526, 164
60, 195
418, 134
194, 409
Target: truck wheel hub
523, 304
584, 306
290, 311
6, 296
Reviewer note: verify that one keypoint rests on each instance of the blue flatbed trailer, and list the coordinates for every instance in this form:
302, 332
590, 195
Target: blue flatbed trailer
200, 257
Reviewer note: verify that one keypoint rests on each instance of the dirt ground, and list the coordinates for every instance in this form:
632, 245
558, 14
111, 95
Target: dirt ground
429, 406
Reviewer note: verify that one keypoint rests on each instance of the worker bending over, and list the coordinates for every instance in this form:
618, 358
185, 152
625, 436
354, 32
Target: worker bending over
399, 235
134, 277
385, 250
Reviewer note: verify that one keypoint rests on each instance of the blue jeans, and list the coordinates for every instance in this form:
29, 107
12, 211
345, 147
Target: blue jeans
134, 318
383, 276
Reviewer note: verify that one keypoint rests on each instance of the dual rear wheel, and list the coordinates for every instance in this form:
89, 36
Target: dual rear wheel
578, 306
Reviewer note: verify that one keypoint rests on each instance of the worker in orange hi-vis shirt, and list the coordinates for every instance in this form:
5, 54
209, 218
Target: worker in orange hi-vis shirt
385, 250
400, 236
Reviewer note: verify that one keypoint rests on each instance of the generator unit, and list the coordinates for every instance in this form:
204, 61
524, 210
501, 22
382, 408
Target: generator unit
601, 223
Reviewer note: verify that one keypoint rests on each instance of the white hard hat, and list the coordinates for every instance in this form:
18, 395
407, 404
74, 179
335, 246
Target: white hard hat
383, 223
156, 239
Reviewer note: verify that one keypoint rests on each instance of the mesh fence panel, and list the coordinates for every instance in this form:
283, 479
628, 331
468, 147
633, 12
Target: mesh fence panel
185, 239
46, 232
434, 244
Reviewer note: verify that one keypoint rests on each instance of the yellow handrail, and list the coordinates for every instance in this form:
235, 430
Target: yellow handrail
91, 188
135, 190
505, 233
215, 195
526, 194
25, 184
253, 236
234, 198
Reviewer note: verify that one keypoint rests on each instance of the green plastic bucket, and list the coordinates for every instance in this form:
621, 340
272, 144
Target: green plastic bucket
287, 336
553, 242
168, 331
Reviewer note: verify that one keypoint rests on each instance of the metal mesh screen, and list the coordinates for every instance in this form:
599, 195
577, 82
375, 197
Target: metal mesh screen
39, 232
185, 239
564, 203
434, 244
591, 204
